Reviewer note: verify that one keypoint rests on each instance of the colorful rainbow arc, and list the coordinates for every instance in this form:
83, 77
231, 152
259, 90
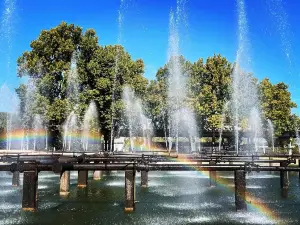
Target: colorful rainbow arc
19, 135
252, 201
256, 203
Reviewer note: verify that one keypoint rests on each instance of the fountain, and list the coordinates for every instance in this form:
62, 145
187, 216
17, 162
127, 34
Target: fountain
222, 124
9, 102
27, 116
90, 128
271, 133
245, 93
72, 81
39, 140
280, 18
8, 17
255, 128
181, 119
139, 125
121, 11
298, 140
71, 130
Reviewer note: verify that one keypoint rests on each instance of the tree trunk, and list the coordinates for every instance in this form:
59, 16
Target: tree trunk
106, 141
55, 138
213, 139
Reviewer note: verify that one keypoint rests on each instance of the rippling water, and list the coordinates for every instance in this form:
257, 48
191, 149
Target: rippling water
171, 198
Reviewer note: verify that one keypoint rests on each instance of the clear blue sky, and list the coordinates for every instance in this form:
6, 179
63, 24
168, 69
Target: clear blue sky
212, 28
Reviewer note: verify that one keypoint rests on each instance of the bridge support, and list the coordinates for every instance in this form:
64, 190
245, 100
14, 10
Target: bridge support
16, 179
129, 190
82, 178
29, 201
240, 190
97, 175
212, 175
64, 183
284, 178
144, 178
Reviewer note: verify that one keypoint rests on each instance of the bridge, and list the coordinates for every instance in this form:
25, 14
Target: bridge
61, 163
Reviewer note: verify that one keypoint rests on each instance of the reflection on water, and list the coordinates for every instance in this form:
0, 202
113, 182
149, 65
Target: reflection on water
171, 198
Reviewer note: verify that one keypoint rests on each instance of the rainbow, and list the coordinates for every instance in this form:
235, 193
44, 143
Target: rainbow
252, 202
19, 135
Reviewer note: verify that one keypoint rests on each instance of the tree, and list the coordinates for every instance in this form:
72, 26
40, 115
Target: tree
210, 90
103, 72
276, 105
47, 64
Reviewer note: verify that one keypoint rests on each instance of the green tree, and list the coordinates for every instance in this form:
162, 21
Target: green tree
276, 105
48, 64
103, 72
210, 89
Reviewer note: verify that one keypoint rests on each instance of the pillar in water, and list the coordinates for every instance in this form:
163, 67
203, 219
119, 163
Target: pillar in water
129, 190
240, 190
82, 178
16, 179
29, 199
64, 183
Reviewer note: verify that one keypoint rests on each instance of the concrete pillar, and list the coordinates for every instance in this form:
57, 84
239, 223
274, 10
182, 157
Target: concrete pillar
97, 175
240, 190
64, 183
129, 190
16, 179
29, 200
284, 177
82, 178
212, 175
144, 178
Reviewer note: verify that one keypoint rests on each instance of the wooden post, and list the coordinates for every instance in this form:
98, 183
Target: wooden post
82, 178
284, 177
29, 201
129, 190
64, 183
240, 190
16, 179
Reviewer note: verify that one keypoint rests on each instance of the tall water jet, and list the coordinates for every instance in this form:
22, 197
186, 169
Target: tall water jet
245, 94
8, 15
255, 128
27, 115
280, 18
10, 103
138, 123
222, 124
71, 130
119, 41
271, 133
90, 131
297, 140
72, 81
181, 119
38, 133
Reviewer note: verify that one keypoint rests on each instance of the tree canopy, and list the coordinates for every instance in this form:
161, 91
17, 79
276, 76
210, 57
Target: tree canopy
68, 69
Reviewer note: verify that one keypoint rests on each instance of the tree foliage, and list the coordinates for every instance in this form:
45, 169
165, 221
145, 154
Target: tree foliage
276, 104
103, 71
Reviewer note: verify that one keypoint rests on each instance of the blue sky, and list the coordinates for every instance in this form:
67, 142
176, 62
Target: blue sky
212, 28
